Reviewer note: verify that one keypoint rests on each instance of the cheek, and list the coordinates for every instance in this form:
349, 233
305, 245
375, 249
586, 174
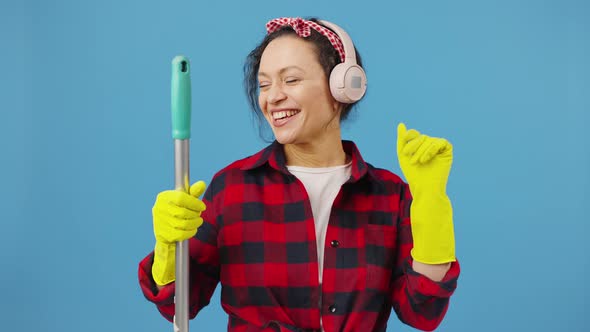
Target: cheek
261, 103
321, 98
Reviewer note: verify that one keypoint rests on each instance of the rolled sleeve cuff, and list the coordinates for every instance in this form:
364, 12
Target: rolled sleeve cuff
162, 297
420, 284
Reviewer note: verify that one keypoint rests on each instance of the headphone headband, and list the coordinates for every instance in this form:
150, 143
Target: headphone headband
349, 52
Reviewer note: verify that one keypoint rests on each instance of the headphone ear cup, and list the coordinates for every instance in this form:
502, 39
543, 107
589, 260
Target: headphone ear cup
337, 77
348, 83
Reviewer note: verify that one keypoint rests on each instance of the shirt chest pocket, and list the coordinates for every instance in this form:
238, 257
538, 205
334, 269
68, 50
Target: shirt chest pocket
380, 249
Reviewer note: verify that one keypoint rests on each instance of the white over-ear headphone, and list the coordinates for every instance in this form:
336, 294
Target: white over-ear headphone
348, 81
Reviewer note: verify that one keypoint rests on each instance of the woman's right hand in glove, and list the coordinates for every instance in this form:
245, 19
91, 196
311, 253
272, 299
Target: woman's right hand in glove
176, 216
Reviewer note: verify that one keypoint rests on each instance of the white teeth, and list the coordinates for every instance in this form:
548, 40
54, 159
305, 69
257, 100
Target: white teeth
283, 114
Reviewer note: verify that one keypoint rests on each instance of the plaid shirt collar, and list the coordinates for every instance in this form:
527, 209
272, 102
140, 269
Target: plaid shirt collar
274, 156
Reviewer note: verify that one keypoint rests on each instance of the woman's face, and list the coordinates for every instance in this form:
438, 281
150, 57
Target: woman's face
294, 93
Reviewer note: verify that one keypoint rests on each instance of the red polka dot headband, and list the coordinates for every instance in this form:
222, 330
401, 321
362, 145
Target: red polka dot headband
303, 29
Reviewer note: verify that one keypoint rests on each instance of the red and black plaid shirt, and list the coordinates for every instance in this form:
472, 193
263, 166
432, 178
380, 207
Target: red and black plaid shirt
258, 240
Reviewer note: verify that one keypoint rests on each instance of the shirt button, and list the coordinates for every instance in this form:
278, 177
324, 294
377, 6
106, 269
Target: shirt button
332, 308
335, 243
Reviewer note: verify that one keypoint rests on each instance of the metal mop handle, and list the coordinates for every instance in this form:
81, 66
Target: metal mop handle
181, 132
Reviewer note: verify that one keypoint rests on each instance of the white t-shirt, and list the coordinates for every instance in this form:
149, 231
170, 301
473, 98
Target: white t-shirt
322, 185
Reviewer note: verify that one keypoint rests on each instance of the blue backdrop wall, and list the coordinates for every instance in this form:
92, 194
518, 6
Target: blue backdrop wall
86, 144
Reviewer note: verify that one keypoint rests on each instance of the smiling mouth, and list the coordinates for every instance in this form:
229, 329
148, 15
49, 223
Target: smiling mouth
281, 118
284, 114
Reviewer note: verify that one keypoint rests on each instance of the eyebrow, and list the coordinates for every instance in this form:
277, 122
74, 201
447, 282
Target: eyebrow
282, 70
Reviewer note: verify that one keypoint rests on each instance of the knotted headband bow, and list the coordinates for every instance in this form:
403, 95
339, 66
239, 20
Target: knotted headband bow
303, 29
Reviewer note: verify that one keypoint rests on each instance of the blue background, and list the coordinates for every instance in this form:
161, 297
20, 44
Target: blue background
86, 145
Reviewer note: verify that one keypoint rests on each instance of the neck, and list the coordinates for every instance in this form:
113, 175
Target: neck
326, 152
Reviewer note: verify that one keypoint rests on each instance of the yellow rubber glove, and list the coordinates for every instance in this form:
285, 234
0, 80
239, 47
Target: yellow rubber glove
426, 164
177, 216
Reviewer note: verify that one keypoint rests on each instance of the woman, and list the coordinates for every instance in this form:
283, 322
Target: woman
305, 235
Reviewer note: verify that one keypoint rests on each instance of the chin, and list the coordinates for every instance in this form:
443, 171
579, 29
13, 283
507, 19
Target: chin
285, 138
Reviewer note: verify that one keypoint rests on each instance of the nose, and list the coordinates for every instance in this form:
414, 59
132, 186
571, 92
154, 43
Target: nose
275, 94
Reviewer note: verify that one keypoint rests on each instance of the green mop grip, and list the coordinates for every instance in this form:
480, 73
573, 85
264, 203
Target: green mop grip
181, 98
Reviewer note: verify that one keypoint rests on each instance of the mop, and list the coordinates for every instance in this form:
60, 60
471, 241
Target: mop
181, 132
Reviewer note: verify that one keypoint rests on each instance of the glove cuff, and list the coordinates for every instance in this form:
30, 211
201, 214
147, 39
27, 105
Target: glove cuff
164, 268
432, 230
